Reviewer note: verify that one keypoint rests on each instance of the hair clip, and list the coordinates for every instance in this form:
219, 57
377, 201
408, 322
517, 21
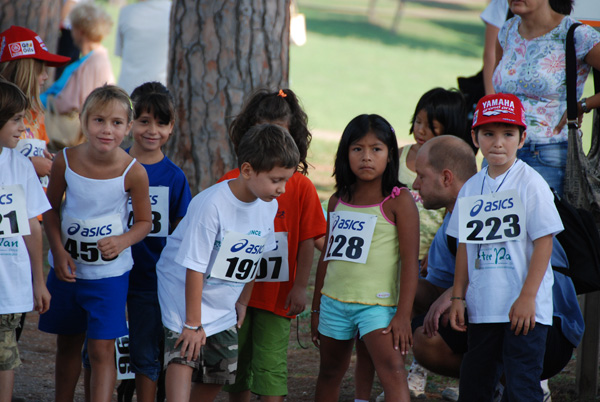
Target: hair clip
130, 104
392, 128
282, 94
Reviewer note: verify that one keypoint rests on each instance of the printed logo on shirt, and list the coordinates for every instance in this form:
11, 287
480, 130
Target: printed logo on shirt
280, 214
21, 48
491, 206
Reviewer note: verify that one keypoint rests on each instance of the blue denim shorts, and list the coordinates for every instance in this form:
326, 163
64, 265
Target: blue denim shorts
342, 321
549, 160
146, 335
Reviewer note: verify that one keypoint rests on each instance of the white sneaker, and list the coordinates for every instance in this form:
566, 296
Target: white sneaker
417, 379
547, 394
450, 394
380, 398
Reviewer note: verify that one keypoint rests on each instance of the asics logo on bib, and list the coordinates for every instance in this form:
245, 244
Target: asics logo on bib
6, 199
251, 249
90, 232
491, 206
348, 224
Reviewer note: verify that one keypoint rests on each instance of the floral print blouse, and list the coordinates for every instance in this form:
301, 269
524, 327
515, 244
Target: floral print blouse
534, 71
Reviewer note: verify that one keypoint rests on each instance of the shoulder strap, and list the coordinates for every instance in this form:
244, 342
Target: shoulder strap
65, 155
571, 69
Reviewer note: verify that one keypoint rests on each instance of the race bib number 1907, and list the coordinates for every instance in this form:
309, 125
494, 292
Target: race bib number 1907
238, 258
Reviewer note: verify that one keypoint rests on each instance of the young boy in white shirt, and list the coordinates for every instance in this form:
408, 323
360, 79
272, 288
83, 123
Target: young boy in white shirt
206, 271
22, 199
504, 219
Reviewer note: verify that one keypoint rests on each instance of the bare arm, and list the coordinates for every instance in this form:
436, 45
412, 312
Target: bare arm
489, 57
191, 340
461, 280
33, 242
64, 266
522, 312
296, 299
136, 182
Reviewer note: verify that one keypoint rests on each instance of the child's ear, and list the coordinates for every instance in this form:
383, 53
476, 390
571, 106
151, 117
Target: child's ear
474, 138
522, 141
246, 170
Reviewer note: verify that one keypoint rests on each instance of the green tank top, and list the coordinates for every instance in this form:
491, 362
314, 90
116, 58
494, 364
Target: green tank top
377, 281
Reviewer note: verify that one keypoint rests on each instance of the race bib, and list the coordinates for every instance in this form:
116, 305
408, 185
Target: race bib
31, 147
491, 218
274, 266
80, 237
159, 202
350, 236
13, 211
238, 258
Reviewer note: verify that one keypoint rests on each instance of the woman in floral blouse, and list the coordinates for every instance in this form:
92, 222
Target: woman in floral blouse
531, 54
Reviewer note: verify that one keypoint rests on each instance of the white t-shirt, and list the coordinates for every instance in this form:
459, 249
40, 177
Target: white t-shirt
195, 244
16, 290
496, 285
495, 13
143, 43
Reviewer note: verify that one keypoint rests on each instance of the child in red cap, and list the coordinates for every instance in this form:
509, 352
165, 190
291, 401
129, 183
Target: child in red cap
504, 219
23, 61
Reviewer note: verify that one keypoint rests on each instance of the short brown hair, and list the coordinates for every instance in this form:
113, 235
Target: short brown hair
12, 101
266, 146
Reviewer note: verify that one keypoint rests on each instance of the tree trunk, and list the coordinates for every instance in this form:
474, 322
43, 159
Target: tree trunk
41, 16
220, 51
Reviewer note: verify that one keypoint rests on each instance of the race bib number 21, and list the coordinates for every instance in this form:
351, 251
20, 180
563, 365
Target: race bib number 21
13, 213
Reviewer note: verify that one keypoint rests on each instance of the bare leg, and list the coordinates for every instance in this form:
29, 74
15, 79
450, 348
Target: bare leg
204, 392
243, 396
435, 355
335, 359
104, 372
7, 382
67, 366
178, 382
145, 388
363, 372
389, 364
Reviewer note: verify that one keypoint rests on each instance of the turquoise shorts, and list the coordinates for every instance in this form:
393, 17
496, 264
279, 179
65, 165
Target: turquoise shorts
342, 321
262, 358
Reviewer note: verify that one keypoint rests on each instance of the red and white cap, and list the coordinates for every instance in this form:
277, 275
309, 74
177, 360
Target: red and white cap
499, 108
22, 43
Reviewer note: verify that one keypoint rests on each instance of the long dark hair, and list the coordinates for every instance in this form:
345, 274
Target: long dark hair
355, 130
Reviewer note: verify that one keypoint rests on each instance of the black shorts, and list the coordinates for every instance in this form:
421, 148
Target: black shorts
456, 341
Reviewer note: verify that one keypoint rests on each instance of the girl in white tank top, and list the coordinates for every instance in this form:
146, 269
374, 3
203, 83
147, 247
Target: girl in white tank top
87, 235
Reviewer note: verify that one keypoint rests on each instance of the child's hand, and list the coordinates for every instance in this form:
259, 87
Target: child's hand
240, 309
41, 298
457, 315
437, 309
314, 329
296, 300
522, 315
401, 333
41, 165
191, 342
110, 247
64, 266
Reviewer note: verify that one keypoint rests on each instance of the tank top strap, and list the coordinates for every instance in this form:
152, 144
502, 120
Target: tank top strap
129, 167
66, 160
395, 193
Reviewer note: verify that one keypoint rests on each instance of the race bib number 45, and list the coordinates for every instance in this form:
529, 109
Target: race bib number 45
350, 236
13, 212
80, 237
491, 218
238, 258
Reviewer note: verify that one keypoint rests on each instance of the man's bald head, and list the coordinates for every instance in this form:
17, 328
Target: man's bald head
452, 153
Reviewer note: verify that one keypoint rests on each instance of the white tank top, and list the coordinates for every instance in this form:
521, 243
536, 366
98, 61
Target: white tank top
94, 209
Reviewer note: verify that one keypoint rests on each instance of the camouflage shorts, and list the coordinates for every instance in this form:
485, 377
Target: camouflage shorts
217, 363
9, 354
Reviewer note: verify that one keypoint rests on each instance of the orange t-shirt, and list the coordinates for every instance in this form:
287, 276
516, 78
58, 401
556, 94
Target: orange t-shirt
300, 214
36, 128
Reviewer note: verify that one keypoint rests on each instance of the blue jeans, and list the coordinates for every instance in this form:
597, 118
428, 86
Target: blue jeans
146, 336
494, 348
549, 160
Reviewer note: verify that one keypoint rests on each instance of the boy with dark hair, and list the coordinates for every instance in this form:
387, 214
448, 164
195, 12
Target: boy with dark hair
206, 271
505, 219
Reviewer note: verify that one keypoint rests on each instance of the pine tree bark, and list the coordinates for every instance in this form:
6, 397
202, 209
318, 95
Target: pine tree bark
220, 51
41, 16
